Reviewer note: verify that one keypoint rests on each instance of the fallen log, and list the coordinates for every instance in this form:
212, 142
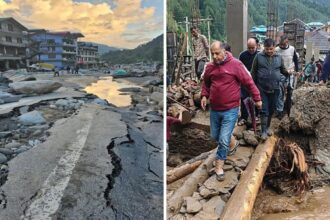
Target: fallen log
240, 204
190, 185
182, 171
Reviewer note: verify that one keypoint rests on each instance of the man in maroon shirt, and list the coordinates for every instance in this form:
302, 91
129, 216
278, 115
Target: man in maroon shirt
222, 82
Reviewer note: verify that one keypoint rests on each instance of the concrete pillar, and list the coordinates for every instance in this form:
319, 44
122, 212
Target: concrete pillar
309, 52
237, 23
7, 64
316, 54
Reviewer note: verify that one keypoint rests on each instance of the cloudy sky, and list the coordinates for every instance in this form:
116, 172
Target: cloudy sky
118, 23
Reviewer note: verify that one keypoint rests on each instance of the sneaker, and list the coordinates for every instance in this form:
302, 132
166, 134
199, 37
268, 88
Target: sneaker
219, 173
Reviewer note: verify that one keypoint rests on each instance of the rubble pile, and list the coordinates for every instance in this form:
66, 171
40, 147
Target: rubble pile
187, 94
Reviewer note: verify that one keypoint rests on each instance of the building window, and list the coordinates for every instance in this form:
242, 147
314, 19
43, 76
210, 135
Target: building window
19, 40
10, 27
51, 55
8, 39
51, 41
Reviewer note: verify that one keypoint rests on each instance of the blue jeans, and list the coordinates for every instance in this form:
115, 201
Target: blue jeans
222, 126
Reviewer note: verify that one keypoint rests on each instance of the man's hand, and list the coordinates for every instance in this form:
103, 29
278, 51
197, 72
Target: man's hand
259, 104
203, 103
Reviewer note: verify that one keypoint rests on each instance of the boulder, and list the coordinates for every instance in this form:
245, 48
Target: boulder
100, 102
31, 118
7, 97
250, 138
3, 158
157, 96
35, 87
192, 205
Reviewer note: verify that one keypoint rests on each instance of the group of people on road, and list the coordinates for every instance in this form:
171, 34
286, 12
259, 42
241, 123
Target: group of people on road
74, 70
268, 76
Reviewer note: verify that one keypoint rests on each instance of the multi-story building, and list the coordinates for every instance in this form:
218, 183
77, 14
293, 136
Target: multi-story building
13, 41
88, 56
57, 48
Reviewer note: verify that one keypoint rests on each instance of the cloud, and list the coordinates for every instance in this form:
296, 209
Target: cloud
98, 22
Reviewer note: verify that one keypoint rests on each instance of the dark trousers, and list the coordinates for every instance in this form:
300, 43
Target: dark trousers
199, 67
244, 95
268, 102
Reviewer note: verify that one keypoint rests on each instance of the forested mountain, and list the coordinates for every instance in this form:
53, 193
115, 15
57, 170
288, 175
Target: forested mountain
306, 10
151, 51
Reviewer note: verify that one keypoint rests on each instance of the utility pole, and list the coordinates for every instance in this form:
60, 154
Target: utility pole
186, 23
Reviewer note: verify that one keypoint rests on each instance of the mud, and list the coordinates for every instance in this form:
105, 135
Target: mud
190, 140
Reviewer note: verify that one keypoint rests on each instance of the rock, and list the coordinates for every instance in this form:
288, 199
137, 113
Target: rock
13, 144
36, 133
62, 103
153, 82
5, 134
23, 110
213, 187
211, 209
241, 158
250, 138
157, 96
6, 151
29, 78
21, 149
197, 196
7, 97
33, 143
32, 118
192, 205
100, 102
4, 80
178, 217
227, 167
130, 89
35, 87
3, 158
238, 131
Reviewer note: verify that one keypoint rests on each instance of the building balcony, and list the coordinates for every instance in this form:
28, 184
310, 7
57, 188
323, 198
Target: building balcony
13, 44
11, 56
68, 44
69, 52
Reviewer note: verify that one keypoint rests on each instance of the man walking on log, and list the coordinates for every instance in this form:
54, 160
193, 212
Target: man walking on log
222, 81
267, 71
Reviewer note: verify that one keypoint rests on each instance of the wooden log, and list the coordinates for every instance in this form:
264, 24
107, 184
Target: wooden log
200, 175
182, 171
240, 204
202, 156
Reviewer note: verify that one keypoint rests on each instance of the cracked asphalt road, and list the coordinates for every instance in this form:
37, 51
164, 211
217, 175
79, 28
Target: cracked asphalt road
102, 163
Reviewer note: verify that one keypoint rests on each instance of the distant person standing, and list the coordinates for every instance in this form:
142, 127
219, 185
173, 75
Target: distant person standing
247, 57
76, 70
290, 58
201, 50
325, 69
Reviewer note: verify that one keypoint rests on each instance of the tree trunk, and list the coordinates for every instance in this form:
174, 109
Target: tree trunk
190, 185
182, 171
240, 204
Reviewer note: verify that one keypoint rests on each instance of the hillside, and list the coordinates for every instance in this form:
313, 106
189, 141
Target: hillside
151, 51
306, 10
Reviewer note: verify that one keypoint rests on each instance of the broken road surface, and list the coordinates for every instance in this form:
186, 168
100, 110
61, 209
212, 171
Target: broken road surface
101, 163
